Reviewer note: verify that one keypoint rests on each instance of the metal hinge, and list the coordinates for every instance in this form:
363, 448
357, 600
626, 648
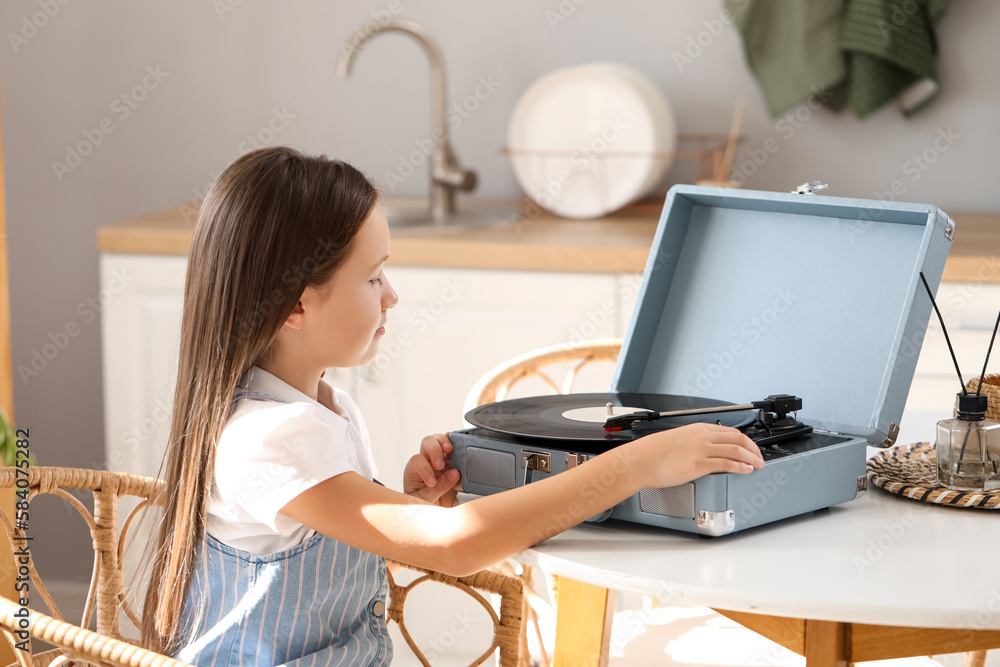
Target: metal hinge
949, 229
890, 439
573, 460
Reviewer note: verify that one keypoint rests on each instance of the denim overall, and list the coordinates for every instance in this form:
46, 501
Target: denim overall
318, 603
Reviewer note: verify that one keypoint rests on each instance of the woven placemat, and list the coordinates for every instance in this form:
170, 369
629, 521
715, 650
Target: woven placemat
911, 471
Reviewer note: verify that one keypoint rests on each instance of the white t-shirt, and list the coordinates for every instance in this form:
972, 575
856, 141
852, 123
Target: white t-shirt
272, 451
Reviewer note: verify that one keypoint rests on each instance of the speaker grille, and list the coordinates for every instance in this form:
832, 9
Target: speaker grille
675, 501
491, 467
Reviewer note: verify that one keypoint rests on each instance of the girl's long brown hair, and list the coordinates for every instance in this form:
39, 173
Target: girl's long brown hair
275, 222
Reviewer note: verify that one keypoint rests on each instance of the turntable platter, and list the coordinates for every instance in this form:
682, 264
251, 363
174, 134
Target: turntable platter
582, 416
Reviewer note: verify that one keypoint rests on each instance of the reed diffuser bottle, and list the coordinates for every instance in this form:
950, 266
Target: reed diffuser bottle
968, 447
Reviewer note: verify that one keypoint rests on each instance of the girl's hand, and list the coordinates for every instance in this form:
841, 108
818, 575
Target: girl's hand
685, 453
427, 474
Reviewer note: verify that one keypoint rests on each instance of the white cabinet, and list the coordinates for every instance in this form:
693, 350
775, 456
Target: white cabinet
450, 327
140, 336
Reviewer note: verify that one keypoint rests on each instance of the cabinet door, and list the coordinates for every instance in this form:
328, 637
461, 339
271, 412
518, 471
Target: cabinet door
453, 326
140, 320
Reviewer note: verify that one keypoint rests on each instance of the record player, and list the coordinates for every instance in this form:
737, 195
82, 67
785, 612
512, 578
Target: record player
745, 294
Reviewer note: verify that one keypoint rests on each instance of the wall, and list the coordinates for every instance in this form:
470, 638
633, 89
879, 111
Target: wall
215, 76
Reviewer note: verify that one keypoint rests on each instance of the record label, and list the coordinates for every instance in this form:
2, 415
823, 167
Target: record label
598, 414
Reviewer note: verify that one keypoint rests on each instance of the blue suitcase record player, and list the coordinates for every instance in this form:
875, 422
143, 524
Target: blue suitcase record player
745, 295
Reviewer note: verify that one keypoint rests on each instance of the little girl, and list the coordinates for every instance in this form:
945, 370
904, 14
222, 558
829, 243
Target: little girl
273, 545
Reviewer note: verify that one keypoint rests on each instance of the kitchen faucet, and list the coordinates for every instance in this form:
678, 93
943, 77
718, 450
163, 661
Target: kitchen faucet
447, 175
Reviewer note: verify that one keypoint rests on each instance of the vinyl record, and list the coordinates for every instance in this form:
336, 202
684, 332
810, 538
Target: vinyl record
581, 416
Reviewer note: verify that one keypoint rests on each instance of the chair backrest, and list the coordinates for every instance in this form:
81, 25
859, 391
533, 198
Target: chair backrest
106, 595
506, 624
496, 384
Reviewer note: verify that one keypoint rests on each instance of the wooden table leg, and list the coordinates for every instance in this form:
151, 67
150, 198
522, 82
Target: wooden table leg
829, 644
583, 624
974, 659
824, 644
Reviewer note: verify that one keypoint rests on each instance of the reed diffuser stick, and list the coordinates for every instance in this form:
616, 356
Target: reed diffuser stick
945, 330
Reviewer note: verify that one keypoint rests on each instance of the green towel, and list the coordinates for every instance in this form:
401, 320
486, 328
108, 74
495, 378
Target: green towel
891, 49
860, 53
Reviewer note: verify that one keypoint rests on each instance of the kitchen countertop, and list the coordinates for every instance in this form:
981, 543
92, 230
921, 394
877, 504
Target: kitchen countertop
617, 243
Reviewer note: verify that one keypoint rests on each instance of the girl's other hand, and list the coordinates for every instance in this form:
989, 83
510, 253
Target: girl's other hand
427, 475
685, 453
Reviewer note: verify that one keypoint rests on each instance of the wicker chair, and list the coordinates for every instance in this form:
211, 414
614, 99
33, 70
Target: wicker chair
568, 360
106, 597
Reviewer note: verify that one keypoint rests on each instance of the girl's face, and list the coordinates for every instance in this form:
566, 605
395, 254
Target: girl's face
348, 313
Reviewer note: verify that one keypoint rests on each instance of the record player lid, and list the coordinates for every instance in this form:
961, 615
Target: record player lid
747, 294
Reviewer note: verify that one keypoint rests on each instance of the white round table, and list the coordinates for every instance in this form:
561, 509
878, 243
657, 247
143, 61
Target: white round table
879, 577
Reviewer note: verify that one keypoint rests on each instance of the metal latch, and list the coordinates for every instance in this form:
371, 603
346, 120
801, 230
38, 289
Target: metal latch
810, 188
536, 461
541, 461
573, 460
